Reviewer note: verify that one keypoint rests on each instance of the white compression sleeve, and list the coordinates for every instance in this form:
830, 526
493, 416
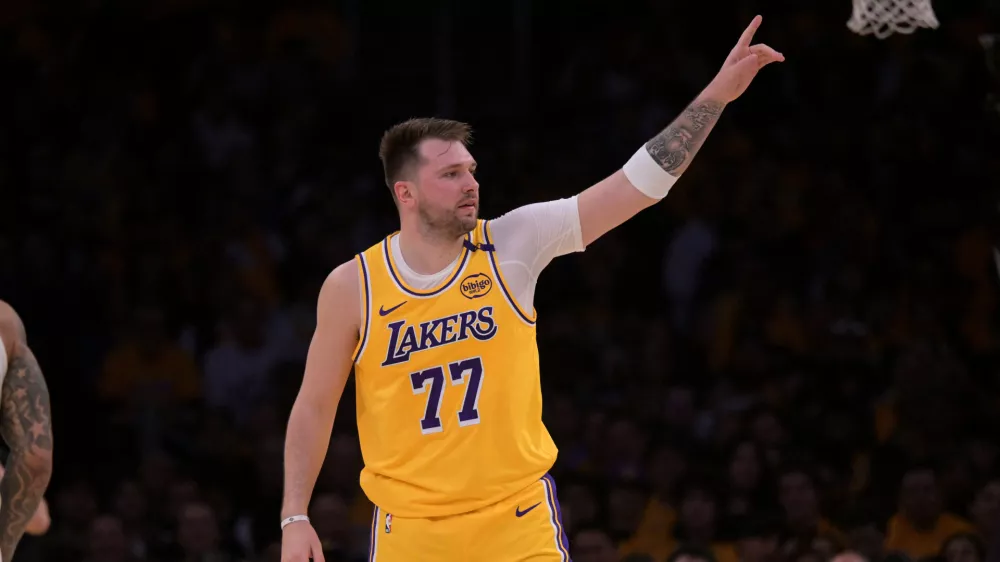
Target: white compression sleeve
647, 176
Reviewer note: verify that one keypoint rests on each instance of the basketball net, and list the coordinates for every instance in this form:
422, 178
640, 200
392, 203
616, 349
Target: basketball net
882, 18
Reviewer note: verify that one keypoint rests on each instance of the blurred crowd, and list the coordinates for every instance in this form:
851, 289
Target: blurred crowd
793, 357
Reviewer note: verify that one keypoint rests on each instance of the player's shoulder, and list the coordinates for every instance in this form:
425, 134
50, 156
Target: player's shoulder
340, 294
11, 327
9, 320
527, 221
6, 310
342, 281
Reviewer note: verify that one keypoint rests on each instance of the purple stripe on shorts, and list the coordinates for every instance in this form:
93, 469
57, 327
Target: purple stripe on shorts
371, 541
553, 499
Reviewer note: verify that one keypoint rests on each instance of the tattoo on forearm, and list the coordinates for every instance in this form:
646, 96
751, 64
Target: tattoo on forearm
674, 147
26, 426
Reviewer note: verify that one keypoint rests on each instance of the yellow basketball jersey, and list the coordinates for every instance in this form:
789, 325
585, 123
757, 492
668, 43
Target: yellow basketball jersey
449, 400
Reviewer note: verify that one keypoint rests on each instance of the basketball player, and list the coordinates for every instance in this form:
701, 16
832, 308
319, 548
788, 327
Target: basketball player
26, 427
437, 321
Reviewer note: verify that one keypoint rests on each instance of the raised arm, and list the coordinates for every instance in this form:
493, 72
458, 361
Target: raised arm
328, 364
652, 171
26, 427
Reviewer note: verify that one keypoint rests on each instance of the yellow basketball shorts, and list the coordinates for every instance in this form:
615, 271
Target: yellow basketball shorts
524, 527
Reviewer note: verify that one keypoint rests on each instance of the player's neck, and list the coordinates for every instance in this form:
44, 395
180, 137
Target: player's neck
426, 254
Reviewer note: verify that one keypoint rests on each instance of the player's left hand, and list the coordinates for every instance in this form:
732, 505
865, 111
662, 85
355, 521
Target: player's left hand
742, 64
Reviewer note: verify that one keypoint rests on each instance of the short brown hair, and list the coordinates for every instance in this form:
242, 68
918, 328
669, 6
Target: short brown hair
399, 147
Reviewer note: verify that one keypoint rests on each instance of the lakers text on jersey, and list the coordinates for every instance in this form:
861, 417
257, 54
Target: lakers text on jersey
449, 405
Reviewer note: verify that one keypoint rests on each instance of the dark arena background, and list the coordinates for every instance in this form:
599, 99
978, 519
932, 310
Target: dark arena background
794, 356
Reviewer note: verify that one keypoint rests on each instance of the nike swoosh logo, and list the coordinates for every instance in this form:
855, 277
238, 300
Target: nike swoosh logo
382, 311
519, 513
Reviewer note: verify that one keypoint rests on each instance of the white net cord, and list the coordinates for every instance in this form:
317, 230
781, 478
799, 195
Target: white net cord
882, 18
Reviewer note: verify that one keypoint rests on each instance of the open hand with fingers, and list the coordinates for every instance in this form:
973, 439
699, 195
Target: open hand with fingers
299, 543
742, 64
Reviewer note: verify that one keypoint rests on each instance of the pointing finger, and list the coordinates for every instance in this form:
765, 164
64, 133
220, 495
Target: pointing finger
747, 36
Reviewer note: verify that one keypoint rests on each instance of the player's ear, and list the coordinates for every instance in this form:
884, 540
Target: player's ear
404, 191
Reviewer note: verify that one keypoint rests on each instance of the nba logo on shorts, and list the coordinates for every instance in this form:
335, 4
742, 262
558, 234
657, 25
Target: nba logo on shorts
388, 522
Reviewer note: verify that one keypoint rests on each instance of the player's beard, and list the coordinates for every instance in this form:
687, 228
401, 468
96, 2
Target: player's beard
447, 224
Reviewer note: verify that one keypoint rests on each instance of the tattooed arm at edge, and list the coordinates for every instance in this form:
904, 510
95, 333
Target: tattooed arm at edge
26, 427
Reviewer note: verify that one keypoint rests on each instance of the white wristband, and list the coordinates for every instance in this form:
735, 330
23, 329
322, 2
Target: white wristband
647, 176
293, 519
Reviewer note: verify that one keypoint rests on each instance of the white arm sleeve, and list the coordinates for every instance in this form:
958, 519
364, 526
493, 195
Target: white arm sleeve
528, 238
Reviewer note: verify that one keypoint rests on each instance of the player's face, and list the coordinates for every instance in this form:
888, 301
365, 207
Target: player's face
447, 193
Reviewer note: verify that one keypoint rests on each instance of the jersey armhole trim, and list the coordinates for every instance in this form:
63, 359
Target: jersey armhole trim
366, 310
495, 266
